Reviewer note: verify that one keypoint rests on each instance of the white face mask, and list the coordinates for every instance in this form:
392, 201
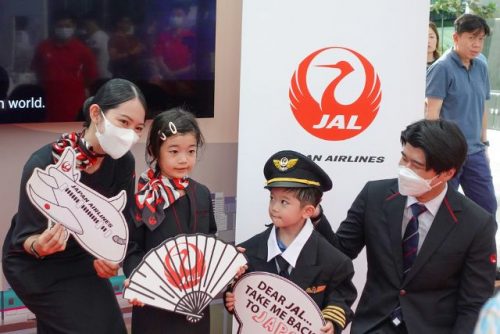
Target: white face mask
116, 141
64, 33
411, 184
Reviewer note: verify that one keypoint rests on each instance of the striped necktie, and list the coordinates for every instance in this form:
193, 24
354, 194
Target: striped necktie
410, 238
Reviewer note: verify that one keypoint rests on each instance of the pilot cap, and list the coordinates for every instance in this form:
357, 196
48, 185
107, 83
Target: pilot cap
290, 169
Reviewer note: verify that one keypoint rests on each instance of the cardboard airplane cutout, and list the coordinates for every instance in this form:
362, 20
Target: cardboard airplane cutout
95, 221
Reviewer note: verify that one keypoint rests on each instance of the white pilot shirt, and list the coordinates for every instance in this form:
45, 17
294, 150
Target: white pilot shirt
292, 252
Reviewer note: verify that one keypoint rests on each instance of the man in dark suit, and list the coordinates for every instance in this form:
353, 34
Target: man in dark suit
431, 251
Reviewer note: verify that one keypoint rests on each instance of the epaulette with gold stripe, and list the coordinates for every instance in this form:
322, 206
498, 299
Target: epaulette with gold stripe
336, 314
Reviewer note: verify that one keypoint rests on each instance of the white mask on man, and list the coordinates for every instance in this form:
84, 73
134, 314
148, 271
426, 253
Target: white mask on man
411, 184
115, 141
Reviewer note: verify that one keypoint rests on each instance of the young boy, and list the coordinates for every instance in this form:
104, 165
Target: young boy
291, 247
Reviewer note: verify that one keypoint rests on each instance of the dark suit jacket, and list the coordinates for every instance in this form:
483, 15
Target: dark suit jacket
319, 264
453, 274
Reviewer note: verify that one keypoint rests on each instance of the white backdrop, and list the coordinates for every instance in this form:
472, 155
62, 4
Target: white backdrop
276, 37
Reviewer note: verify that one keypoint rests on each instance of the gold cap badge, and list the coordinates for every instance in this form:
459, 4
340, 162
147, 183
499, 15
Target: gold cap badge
284, 164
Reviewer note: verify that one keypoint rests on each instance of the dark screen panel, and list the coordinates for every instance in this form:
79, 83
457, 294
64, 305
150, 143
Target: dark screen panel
58, 52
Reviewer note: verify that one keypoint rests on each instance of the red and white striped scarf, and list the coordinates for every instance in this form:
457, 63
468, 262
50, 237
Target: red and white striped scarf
85, 155
154, 194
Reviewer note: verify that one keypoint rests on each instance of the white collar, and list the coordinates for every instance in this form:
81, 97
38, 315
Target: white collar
292, 252
432, 205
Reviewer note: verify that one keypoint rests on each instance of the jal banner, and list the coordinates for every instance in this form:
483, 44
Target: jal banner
335, 80
268, 303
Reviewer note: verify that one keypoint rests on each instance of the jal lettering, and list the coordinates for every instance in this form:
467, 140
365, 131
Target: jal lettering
338, 122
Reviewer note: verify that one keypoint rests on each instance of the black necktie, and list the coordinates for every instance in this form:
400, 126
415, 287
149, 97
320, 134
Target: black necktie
283, 266
410, 238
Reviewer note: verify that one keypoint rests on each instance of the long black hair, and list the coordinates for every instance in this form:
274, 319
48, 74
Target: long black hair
112, 94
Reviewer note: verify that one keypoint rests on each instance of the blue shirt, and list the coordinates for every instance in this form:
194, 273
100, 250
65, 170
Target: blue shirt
463, 92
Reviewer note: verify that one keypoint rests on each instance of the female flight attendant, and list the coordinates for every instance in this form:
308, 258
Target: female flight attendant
64, 286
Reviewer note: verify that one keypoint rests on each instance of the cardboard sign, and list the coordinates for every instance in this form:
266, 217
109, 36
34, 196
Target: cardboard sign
95, 221
267, 303
183, 274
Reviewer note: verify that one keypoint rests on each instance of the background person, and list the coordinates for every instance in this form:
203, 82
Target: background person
125, 50
432, 44
174, 48
97, 40
457, 88
65, 68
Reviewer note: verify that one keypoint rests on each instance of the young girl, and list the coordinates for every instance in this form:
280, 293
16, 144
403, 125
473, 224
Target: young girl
63, 285
176, 204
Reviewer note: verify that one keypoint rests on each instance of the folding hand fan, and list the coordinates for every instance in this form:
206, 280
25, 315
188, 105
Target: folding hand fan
183, 274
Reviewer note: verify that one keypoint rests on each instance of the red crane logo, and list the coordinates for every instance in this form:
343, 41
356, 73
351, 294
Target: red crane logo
66, 166
184, 266
328, 118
